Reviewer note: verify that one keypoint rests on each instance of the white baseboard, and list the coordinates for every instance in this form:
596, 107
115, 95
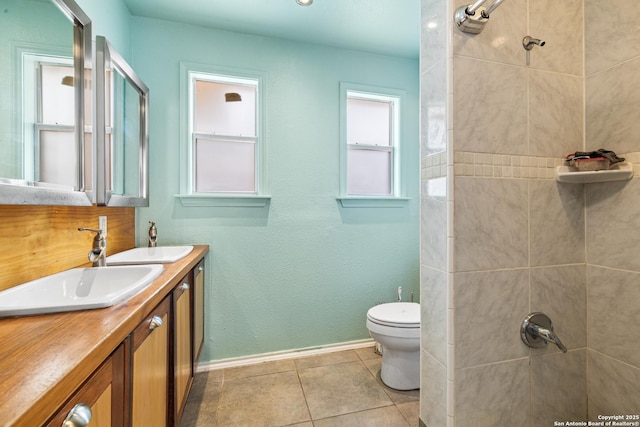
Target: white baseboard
282, 355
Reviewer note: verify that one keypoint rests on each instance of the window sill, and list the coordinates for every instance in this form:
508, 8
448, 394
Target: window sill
373, 202
231, 200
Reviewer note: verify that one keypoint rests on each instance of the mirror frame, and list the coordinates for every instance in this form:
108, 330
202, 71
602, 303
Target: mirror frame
19, 192
108, 58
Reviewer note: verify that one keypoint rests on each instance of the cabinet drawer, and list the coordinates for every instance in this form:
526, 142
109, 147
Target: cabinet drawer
144, 329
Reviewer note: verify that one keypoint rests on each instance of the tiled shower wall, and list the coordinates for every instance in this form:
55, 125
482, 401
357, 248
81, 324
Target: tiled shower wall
612, 65
501, 238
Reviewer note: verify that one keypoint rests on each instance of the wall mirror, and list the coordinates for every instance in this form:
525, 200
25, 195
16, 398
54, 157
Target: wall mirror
44, 48
121, 130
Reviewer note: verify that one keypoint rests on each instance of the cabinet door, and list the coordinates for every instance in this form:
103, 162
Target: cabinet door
150, 369
183, 366
103, 393
198, 311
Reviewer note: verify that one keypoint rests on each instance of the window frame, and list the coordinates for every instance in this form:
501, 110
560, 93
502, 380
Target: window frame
32, 154
189, 72
397, 98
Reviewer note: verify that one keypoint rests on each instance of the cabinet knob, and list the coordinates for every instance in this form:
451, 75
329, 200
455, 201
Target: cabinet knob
156, 322
79, 416
185, 286
200, 268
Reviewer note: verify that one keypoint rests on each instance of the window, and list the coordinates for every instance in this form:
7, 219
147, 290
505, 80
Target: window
50, 152
225, 149
370, 128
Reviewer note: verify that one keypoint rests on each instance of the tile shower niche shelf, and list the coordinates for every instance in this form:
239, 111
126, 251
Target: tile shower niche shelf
621, 172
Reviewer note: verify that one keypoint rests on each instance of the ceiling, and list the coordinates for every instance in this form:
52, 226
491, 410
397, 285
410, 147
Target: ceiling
389, 27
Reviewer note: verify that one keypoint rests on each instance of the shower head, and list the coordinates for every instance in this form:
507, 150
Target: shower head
466, 19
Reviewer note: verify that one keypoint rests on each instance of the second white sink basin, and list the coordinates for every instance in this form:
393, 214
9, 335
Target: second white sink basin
77, 289
157, 255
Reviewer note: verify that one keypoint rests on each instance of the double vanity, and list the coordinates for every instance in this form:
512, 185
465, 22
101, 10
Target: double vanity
127, 364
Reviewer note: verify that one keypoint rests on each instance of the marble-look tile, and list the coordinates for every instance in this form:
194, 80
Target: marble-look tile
433, 109
614, 387
264, 400
491, 223
489, 309
501, 38
555, 114
556, 223
433, 226
612, 304
611, 33
559, 387
613, 224
433, 391
493, 395
561, 293
259, 369
490, 114
340, 389
560, 25
327, 359
434, 18
612, 108
389, 416
433, 307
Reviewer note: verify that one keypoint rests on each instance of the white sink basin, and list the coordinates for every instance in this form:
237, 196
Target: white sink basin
157, 255
77, 289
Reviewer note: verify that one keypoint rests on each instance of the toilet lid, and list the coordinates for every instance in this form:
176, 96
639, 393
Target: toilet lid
398, 314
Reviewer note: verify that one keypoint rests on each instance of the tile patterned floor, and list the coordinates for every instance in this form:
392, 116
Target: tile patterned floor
329, 390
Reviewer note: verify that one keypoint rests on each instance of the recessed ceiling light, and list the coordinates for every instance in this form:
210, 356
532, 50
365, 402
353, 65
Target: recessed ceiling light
304, 2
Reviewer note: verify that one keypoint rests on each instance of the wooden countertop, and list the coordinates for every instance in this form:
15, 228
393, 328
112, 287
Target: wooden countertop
43, 359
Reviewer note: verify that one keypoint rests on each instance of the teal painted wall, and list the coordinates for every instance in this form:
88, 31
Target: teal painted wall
112, 20
303, 271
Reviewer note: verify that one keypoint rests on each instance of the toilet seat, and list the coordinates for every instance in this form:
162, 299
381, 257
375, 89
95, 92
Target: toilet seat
396, 314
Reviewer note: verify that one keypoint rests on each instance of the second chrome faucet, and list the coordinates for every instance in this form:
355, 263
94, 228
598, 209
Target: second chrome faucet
98, 252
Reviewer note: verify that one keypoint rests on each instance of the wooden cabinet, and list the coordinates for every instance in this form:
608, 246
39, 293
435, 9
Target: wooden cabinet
182, 347
147, 379
150, 369
103, 393
198, 311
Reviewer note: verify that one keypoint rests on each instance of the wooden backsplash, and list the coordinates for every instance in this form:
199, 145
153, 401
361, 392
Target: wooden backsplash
36, 241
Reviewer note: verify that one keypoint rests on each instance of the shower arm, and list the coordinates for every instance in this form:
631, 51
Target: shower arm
471, 9
494, 6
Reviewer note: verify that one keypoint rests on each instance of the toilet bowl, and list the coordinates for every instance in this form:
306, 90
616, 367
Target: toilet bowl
396, 326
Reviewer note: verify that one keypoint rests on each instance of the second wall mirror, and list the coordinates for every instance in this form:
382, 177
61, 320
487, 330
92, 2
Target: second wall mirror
121, 125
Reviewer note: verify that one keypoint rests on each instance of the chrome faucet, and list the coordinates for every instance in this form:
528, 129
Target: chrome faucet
537, 330
98, 253
153, 235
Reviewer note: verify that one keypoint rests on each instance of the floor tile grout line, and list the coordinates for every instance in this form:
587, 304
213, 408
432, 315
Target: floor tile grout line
304, 395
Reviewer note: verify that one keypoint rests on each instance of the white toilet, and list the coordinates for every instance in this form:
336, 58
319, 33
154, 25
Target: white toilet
396, 326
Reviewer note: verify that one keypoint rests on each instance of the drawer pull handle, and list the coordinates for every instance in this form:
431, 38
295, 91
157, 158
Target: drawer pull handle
156, 322
79, 416
185, 286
